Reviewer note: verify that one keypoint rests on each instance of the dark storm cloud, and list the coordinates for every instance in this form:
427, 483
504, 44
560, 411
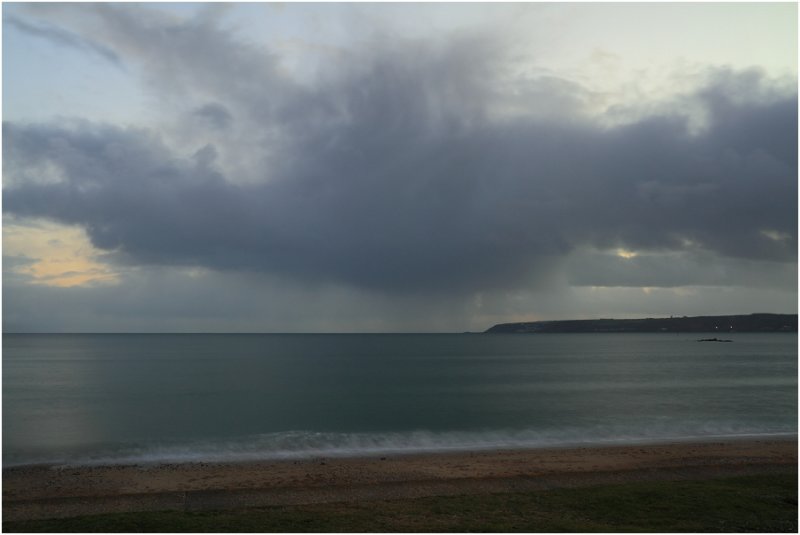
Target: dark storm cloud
417, 167
159, 299
61, 37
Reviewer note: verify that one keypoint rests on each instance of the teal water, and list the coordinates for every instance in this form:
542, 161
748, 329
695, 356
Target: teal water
83, 399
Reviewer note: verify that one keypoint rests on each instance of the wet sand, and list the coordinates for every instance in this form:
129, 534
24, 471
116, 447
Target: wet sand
48, 491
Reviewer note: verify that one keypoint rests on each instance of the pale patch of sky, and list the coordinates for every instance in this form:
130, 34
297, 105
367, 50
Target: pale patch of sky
55, 254
627, 54
634, 55
86, 85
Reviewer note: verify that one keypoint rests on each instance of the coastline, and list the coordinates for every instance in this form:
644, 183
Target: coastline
36, 491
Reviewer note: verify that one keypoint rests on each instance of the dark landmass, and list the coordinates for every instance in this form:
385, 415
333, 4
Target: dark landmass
698, 324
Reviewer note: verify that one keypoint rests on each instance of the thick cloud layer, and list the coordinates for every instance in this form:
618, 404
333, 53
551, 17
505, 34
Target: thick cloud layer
416, 168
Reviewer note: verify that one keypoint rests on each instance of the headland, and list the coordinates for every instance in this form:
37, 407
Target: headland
764, 323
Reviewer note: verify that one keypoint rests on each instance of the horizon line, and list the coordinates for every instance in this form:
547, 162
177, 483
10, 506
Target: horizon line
485, 331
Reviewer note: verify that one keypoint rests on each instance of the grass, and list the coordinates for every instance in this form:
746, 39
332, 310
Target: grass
766, 503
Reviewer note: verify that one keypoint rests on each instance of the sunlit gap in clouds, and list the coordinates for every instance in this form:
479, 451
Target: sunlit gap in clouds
51, 254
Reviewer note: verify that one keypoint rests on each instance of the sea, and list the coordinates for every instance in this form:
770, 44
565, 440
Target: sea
94, 399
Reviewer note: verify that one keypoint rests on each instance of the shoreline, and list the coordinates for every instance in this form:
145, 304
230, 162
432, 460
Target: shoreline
335, 453
36, 491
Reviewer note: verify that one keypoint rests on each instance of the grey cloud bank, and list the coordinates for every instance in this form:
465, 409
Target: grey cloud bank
411, 167
389, 204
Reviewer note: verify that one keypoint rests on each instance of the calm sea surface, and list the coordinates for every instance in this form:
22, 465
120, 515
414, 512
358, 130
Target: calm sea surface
144, 398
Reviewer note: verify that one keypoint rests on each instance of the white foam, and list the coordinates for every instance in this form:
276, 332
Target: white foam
307, 444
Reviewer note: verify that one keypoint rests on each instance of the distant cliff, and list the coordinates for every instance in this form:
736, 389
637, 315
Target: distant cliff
697, 324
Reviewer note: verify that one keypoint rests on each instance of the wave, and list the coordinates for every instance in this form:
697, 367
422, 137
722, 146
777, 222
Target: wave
310, 444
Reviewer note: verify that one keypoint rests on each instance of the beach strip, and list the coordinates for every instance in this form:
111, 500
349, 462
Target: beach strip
31, 492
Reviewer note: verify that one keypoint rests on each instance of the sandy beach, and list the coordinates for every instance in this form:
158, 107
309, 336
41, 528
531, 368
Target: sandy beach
32, 492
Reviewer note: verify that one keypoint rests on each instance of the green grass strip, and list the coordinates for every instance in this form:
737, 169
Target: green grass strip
766, 503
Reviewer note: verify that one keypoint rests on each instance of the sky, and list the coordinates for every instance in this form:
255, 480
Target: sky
301, 167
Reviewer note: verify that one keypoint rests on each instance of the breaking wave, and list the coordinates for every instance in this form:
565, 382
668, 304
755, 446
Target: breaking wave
309, 444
